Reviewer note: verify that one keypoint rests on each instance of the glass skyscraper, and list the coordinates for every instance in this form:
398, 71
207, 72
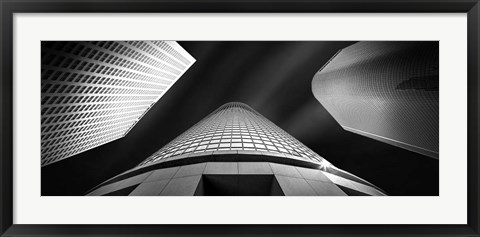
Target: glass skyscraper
235, 151
95, 92
385, 90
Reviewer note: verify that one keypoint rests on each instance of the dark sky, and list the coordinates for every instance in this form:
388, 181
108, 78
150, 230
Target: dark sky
274, 78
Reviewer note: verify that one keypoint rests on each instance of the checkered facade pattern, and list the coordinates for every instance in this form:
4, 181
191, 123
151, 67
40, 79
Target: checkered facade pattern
385, 90
235, 151
235, 127
95, 92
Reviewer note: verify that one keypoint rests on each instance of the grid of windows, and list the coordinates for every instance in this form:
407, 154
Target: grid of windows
234, 126
95, 92
385, 90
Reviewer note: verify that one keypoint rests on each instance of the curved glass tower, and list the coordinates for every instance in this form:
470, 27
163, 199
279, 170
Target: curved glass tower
385, 90
235, 151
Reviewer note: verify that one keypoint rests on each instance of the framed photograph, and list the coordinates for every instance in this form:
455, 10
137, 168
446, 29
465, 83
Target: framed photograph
239, 118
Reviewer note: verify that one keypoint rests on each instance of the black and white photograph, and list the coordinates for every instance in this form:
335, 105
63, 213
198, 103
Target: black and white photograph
239, 118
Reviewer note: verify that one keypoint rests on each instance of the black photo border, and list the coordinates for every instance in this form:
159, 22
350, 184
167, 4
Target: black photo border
9, 7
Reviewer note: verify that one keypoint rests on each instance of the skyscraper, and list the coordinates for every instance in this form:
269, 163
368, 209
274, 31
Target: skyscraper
387, 91
235, 151
95, 92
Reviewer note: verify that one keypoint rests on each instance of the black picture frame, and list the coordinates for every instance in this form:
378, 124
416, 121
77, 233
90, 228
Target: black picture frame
9, 7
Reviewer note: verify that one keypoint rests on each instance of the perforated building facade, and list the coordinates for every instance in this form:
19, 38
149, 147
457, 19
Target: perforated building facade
95, 92
234, 127
235, 151
387, 91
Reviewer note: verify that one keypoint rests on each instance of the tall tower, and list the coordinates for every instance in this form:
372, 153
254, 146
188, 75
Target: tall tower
235, 151
95, 92
385, 90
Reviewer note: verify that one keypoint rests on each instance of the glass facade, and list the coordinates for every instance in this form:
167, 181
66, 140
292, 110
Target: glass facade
385, 90
95, 92
235, 151
234, 127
